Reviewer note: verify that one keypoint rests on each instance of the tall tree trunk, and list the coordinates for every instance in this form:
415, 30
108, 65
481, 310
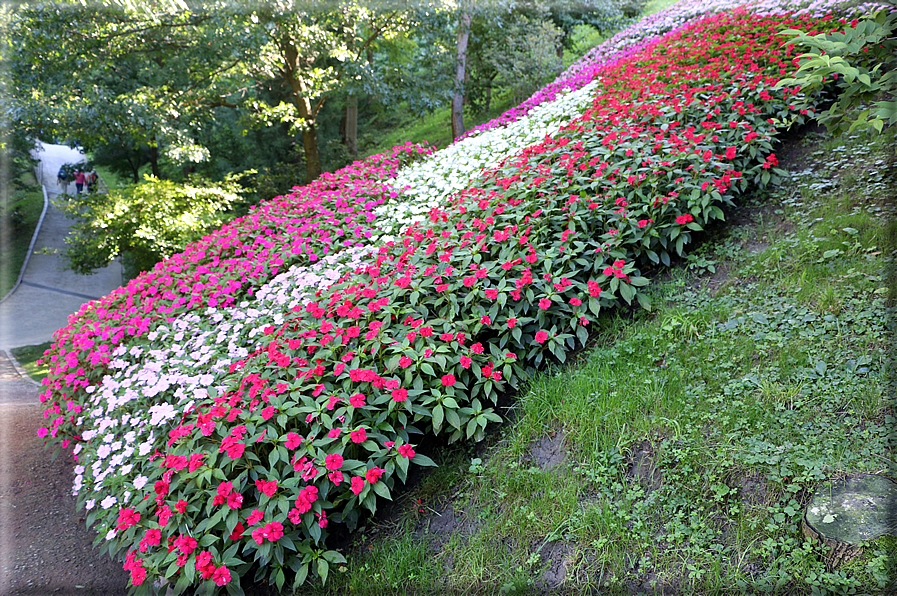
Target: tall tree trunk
352, 125
299, 89
154, 158
460, 67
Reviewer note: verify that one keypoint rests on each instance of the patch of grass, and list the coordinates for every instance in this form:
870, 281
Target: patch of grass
679, 452
21, 219
28, 357
436, 128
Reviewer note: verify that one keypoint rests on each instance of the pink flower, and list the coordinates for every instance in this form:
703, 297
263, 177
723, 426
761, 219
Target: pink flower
357, 484
335, 477
492, 293
333, 433
575, 301
465, 362
255, 517
196, 460
356, 400
373, 475
594, 290
221, 576
512, 322
541, 336
266, 487
684, 219
181, 506
544, 303
274, 531
185, 544
477, 348
126, 518
235, 500
333, 461
448, 380
485, 320
359, 435
405, 450
268, 412
400, 394
293, 441
405, 361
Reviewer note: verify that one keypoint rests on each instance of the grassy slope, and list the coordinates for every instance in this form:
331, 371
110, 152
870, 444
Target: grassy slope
678, 452
29, 206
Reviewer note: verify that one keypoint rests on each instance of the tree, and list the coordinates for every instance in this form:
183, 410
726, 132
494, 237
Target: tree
144, 83
144, 223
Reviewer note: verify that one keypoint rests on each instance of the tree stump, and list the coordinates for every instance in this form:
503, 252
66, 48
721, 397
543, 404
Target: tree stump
843, 513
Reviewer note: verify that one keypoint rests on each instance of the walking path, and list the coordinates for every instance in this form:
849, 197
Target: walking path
45, 548
48, 293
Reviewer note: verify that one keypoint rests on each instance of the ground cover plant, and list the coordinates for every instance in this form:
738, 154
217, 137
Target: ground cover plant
677, 454
230, 404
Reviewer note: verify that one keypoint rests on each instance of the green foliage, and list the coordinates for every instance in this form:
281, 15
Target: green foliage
526, 56
144, 223
859, 63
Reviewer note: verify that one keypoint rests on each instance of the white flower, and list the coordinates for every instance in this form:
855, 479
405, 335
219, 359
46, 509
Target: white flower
140, 482
108, 502
110, 534
89, 503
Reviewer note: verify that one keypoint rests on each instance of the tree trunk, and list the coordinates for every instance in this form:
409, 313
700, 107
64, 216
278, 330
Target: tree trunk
154, 159
299, 89
352, 125
461, 65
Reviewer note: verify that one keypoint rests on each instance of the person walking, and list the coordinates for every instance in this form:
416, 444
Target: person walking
80, 179
62, 179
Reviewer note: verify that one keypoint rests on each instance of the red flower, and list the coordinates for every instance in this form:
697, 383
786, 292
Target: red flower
544, 303
373, 475
405, 361
541, 336
400, 394
448, 380
221, 576
238, 531
465, 362
127, 518
333, 461
359, 435
477, 348
255, 517
512, 322
405, 450
181, 506
684, 219
357, 484
485, 320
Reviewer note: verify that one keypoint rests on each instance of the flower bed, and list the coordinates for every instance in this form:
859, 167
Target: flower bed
219, 436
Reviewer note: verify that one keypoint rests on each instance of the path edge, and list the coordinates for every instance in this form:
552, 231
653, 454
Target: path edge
40, 222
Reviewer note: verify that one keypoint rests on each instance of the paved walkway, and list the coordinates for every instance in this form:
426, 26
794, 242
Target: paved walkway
48, 293
45, 547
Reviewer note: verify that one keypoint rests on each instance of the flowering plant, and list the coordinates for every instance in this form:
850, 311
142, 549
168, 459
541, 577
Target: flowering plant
302, 406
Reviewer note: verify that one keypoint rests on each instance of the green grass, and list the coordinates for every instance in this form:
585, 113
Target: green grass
436, 128
24, 212
688, 439
28, 357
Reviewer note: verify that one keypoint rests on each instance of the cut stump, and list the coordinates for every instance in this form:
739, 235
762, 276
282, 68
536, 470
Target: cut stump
843, 513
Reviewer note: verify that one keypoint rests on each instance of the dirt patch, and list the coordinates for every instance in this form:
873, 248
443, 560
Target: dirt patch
550, 451
752, 490
642, 466
438, 527
559, 556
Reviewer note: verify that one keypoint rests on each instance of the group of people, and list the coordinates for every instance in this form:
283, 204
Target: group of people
81, 179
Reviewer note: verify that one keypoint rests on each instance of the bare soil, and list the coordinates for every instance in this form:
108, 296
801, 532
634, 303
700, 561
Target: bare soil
45, 547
